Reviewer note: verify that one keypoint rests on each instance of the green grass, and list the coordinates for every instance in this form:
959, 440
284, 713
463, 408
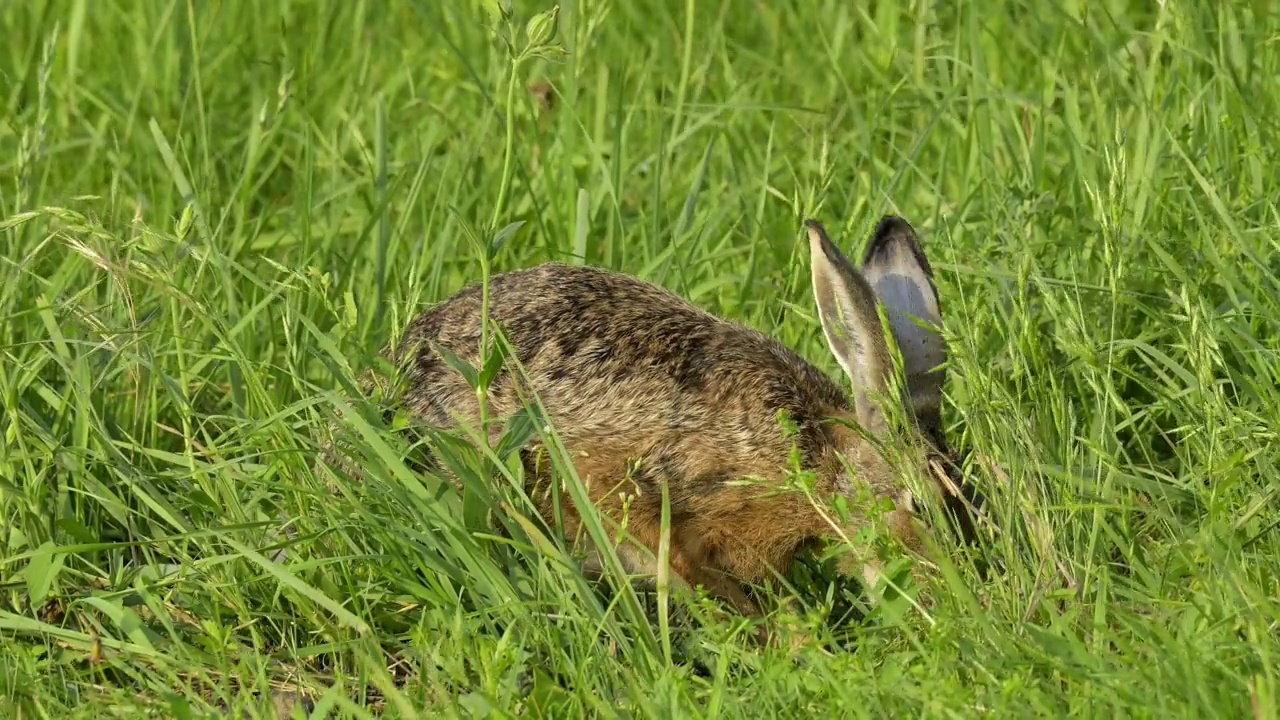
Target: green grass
215, 214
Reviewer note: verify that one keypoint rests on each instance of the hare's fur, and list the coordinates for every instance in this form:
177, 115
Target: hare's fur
646, 390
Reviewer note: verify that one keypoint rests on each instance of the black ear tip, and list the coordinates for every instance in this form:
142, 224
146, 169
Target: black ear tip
894, 234
817, 235
892, 226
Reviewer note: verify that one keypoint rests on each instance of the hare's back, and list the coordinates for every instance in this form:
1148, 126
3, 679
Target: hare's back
613, 356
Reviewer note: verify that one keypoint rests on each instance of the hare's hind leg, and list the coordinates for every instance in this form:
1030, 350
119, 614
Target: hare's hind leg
689, 570
687, 573
716, 583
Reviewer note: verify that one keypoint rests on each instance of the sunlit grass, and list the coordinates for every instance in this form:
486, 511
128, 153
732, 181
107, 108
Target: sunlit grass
214, 215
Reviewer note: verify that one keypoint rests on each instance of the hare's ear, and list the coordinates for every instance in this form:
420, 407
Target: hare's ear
851, 323
898, 270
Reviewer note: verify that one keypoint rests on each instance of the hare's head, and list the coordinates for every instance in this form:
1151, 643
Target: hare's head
895, 275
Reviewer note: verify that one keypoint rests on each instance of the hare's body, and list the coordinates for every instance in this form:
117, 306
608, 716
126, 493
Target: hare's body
645, 391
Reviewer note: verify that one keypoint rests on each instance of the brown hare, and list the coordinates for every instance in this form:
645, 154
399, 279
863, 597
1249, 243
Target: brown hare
644, 389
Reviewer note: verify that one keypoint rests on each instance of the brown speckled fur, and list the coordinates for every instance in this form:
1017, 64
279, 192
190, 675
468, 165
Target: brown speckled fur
645, 389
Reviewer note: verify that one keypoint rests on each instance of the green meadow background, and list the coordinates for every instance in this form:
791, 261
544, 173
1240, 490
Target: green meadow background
213, 215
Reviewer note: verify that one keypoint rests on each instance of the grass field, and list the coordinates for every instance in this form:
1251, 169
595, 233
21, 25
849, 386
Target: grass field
215, 214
